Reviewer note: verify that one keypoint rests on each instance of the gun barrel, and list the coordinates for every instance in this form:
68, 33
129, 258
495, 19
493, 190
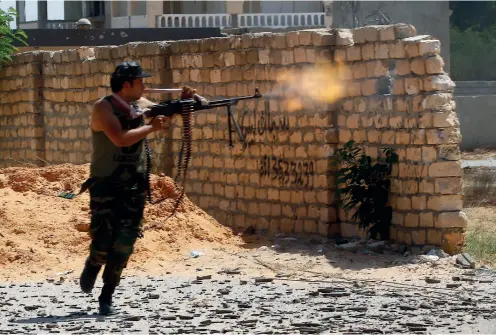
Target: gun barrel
162, 90
233, 101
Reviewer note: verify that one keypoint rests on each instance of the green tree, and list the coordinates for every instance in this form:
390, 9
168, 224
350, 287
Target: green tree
472, 40
8, 36
477, 15
472, 54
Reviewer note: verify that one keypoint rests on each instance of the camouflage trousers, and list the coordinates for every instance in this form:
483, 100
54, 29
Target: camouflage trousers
116, 222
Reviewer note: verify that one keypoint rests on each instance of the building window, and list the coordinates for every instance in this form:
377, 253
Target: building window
93, 8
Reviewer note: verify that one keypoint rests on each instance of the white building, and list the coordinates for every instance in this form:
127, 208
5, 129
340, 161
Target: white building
183, 14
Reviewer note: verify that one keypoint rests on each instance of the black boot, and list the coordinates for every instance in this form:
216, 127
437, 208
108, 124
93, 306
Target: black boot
105, 300
88, 276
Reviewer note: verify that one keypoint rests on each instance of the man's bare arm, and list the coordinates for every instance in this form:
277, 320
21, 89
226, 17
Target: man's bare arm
103, 119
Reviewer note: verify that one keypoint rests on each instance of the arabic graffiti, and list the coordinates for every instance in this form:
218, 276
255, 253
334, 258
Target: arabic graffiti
263, 123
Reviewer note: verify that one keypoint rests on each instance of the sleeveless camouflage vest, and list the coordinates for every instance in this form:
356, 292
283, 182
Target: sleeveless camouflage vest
115, 163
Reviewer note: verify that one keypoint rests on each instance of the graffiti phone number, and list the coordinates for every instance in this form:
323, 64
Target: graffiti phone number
287, 172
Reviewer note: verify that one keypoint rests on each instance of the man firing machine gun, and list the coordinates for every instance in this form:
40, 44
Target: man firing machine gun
121, 166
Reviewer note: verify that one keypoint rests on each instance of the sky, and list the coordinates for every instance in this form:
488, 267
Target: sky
55, 9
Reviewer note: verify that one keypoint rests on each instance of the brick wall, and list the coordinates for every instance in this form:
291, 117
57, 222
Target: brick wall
418, 119
21, 111
281, 181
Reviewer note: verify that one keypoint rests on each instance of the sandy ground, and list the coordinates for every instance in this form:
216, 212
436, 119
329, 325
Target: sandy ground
43, 235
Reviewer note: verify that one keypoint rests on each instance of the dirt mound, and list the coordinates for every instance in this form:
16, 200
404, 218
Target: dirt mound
46, 180
43, 233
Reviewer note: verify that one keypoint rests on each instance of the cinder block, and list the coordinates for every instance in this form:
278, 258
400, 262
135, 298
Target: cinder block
397, 50
323, 38
381, 51
223, 44
195, 75
445, 169
411, 220
215, 76
354, 53
354, 89
151, 48
299, 55
418, 66
445, 119
86, 52
252, 57
186, 46
305, 37
403, 30
438, 83
429, 47
388, 137
262, 40
279, 41
412, 50
449, 185
412, 86
372, 33
264, 56
443, 136
292, 39
235, 42
387, 33
339, 55
245, 41
359, 35
368, 51
287, 57
229, 58
344, 37
376, 69
369, 87
208, 60
359, 70
445, 203
437, 101
73, 55
434, 65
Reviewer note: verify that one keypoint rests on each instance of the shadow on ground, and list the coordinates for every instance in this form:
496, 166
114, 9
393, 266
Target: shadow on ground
355, 259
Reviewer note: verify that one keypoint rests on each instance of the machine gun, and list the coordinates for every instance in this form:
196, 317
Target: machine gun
186, 109
170, 108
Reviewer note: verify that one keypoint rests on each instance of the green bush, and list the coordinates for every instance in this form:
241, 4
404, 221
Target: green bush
365, 186
8, 36
480, 234
472, 54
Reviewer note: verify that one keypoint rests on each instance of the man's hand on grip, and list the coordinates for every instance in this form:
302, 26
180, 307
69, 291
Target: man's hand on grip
191, 93
159, 122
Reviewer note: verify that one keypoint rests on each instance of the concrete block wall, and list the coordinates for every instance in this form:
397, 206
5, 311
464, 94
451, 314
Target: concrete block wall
282, 180
418, 119
73, 81
21, 111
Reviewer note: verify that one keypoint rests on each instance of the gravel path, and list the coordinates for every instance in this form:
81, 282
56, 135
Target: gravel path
236, 304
